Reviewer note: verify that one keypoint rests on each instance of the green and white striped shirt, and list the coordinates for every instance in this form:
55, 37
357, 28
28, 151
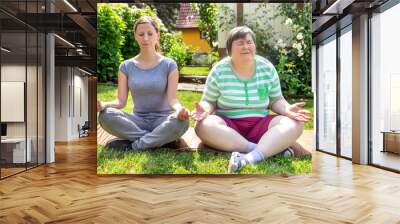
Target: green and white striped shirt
237, 98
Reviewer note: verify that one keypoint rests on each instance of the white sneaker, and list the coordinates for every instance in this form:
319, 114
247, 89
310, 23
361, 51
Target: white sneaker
287, 153
236, 161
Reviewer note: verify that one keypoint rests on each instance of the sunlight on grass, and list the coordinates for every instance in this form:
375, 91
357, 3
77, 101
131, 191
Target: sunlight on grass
170, 161
196, 71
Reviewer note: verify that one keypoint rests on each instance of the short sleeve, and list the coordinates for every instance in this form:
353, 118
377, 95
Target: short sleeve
172, 66
122, 68
275, 92
211, 91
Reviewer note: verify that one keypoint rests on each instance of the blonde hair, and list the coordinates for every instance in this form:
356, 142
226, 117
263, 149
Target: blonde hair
148, 20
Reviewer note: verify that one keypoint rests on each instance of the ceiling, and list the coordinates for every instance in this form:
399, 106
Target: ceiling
330, 15
72, 20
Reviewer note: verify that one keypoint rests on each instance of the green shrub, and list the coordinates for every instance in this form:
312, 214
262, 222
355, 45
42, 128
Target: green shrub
172, 46
295, 58
291, 55
109, 42
116, 41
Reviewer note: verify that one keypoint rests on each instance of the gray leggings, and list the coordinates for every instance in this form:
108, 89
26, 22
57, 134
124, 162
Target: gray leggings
145, 130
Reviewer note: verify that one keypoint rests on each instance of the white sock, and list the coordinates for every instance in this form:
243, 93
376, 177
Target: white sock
254, 156
250, 146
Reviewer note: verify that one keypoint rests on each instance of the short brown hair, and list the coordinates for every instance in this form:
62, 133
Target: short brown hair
149, 20
238, 33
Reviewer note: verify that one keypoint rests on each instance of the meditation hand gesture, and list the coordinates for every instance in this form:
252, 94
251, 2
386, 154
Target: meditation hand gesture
199, 112
296, 112
183, 114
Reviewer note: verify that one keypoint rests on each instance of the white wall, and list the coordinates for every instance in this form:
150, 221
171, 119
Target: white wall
71, 94
268, 18
34, 124
250, 14
61, 103
222, 34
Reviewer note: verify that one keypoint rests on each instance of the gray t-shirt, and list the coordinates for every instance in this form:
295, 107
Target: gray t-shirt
149, 86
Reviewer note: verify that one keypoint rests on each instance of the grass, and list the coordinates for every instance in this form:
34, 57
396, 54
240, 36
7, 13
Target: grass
170, 161
195, 71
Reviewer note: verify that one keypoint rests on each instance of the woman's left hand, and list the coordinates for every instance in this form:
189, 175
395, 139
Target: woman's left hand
183, 114
296, 112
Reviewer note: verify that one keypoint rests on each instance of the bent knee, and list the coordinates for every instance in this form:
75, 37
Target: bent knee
180, 126
208, 123
289, 122
107, 115
293, 124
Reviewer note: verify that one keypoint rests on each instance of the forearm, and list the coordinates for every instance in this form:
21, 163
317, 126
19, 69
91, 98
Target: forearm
118, 104
175, 104
207, 106
280, 106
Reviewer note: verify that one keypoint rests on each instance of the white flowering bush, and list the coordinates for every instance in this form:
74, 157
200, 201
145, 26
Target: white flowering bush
290, 55
294, 57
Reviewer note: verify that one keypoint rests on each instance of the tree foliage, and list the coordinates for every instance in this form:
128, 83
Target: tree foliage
208, 21
291, 52
116, 41
109, 42
295, 59
168, 12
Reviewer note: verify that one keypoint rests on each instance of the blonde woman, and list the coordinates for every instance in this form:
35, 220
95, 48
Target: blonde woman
158, 117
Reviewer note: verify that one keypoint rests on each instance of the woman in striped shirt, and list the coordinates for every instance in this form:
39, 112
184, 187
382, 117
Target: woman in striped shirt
233, 113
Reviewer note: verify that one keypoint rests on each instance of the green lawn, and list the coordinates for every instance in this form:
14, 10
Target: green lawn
170, 161
196, 71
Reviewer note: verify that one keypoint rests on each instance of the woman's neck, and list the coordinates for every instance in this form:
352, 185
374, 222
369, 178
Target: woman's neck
244, 69
148, 56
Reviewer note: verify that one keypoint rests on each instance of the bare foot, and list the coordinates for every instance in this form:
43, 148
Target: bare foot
299, 150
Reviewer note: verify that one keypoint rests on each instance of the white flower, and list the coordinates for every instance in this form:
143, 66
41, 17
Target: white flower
281, 44
295, 26
284, 52
299, 36
288, 21
294, 45
300, 53
299, 46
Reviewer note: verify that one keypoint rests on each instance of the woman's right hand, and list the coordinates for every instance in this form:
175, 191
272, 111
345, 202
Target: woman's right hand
199, 113
100, 106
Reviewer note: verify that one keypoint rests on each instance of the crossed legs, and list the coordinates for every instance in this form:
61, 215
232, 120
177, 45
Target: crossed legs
282, 133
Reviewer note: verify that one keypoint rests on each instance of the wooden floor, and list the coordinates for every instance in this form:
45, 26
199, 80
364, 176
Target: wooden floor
69, 191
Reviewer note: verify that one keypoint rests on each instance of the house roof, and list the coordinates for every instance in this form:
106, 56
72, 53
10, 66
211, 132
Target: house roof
187, 16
